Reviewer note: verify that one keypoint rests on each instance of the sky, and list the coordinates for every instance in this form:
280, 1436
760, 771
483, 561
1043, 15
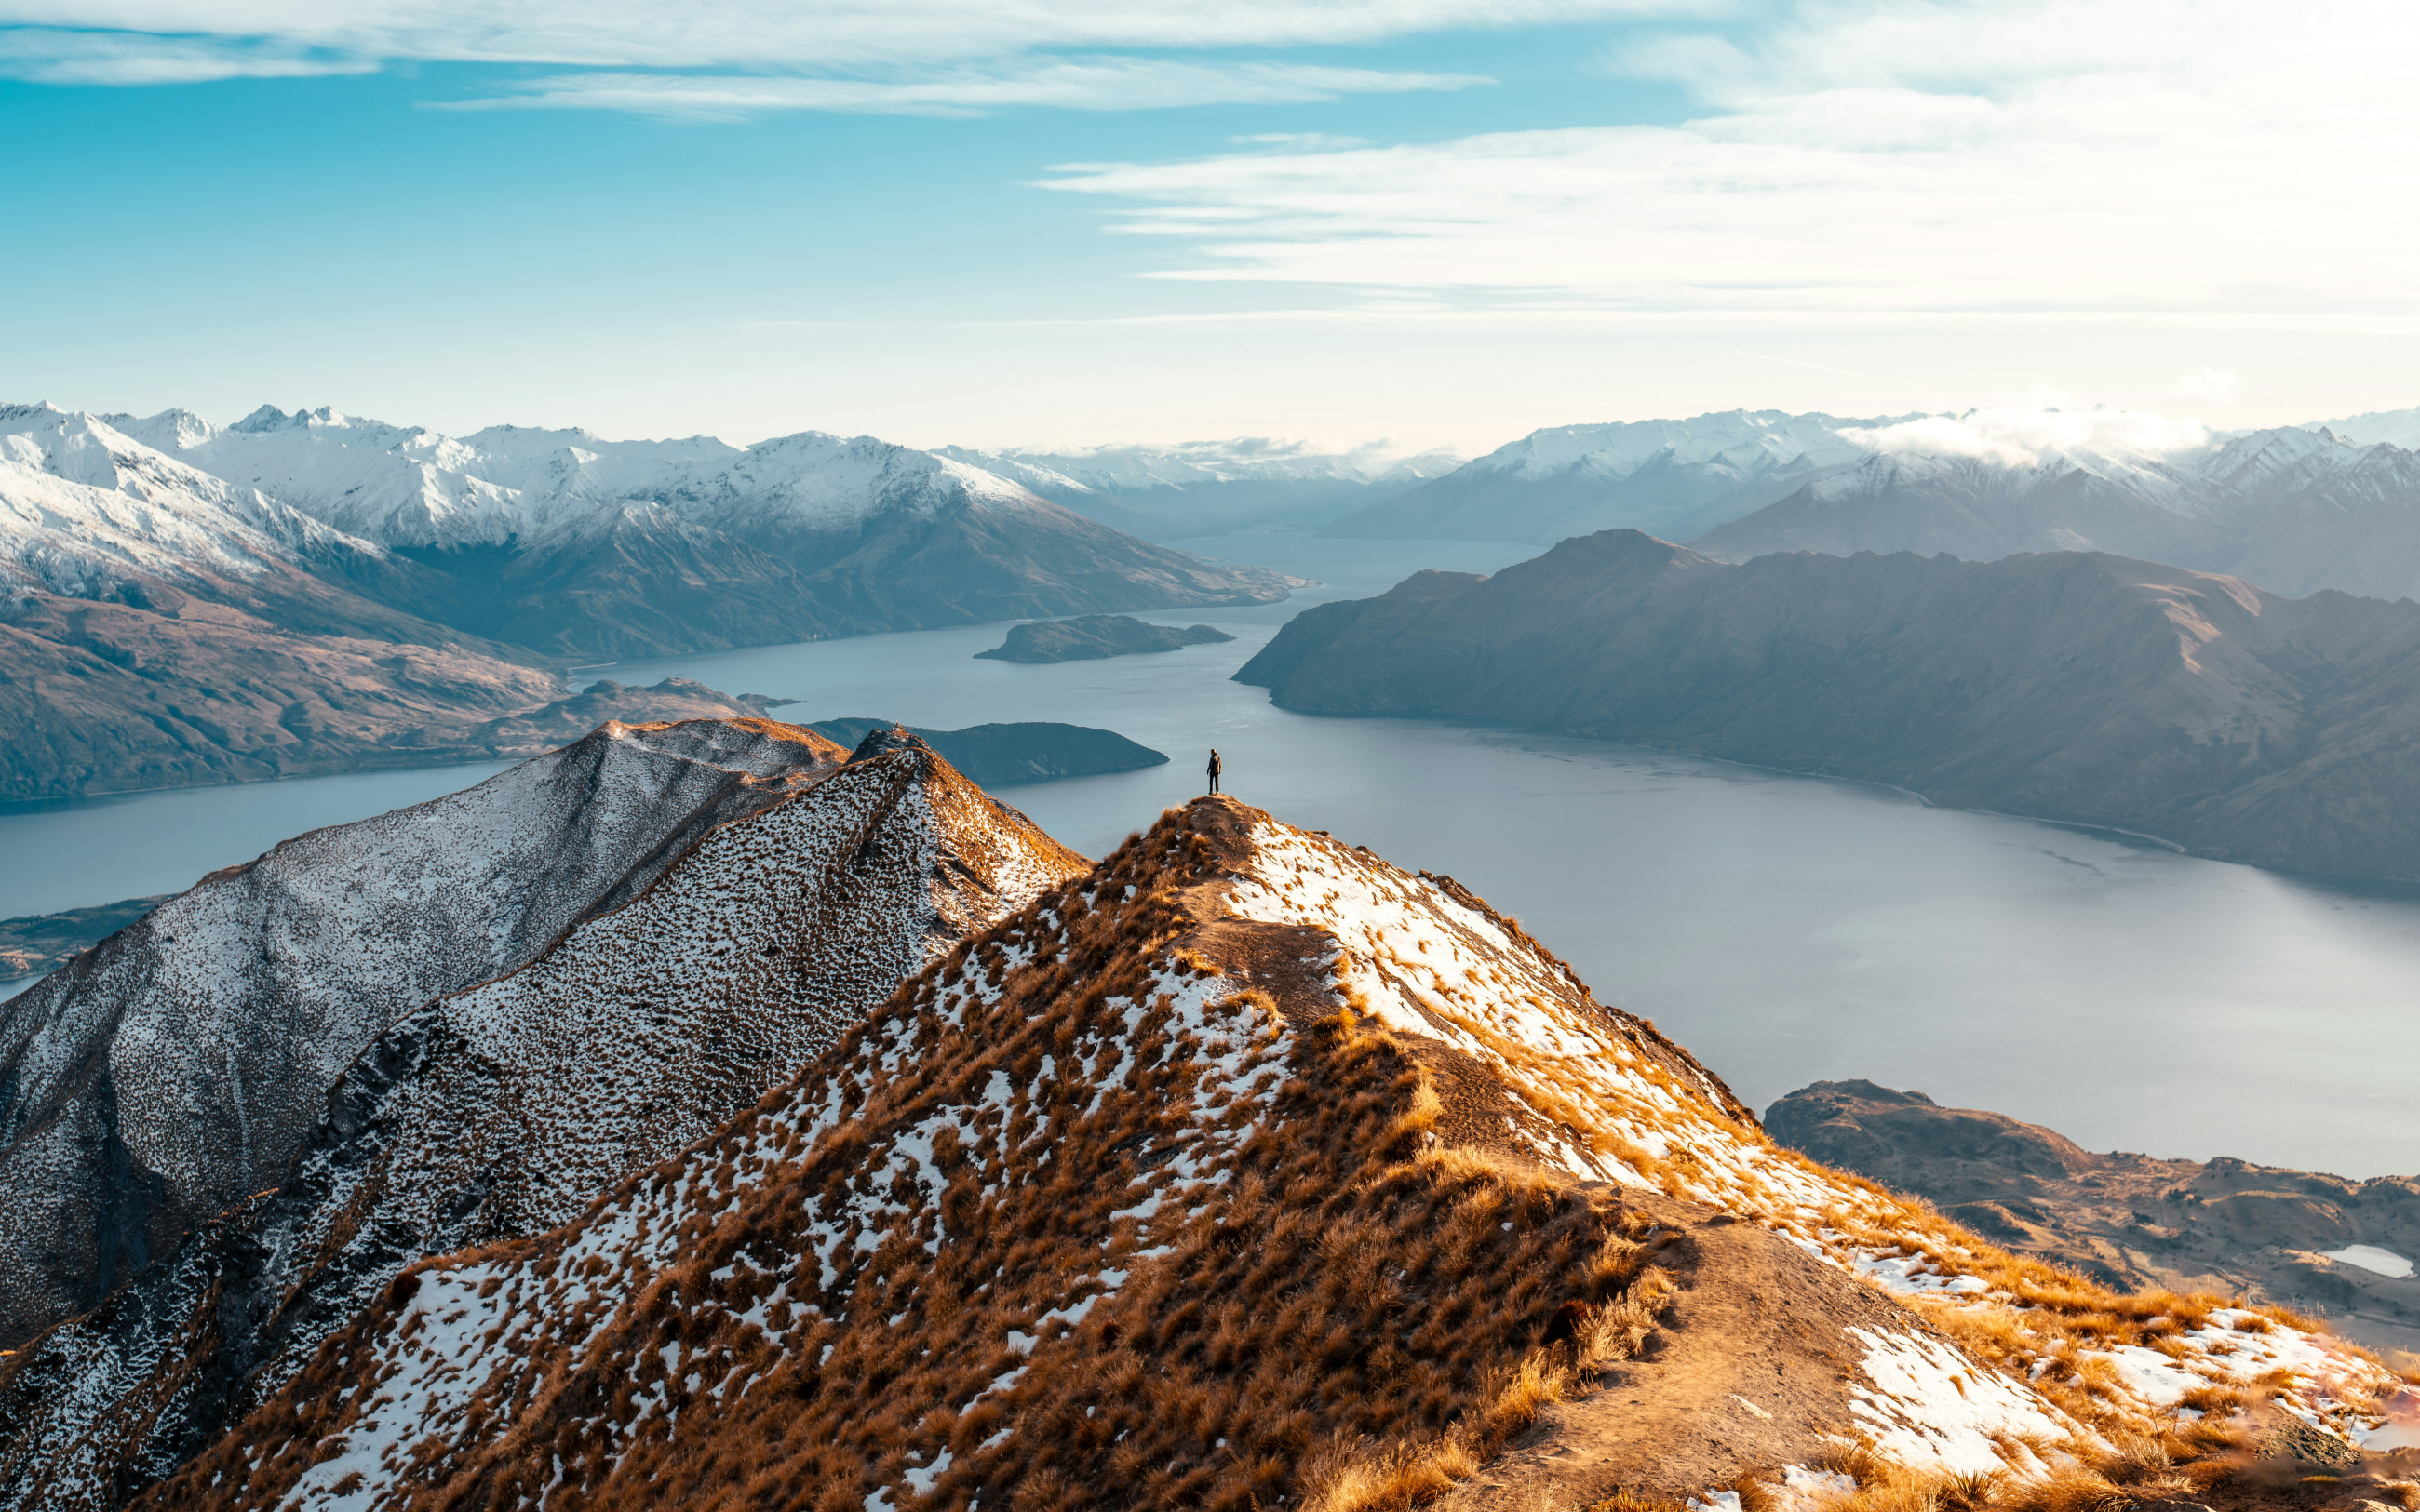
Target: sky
1419, 222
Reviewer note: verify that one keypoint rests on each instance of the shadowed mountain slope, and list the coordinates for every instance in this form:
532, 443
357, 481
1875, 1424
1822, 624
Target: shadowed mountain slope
500, 1112
1244, 1169
179, 1064
2064, 685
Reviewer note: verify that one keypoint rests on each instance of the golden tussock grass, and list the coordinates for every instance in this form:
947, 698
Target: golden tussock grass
1354, 1318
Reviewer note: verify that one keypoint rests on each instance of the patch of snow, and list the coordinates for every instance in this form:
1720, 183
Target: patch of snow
2371, 1258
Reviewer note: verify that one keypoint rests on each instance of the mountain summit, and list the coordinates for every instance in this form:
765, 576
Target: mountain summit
1247, 1169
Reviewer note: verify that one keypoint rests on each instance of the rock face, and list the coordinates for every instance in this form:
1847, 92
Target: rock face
500, 1112
2130, 1219
180, 1065
1242, 1168
2067, 686
997, 753
1095, 636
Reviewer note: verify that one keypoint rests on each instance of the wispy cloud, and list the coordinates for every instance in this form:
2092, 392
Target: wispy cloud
841, 54
2167, 159
1085, 84
53, 56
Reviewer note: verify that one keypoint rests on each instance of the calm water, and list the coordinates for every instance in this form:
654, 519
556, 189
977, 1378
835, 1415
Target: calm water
1786, 929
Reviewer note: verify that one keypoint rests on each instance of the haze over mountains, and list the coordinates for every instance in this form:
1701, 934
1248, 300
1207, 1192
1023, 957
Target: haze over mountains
2294, 509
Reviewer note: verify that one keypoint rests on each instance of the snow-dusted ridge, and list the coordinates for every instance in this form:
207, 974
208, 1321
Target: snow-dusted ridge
180, 1065
497, 1112
1199, 1162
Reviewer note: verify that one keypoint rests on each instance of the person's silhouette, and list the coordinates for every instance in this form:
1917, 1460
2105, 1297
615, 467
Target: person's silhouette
1214, 768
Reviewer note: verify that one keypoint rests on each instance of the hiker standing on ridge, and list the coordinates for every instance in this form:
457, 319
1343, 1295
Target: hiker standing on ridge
1213, 769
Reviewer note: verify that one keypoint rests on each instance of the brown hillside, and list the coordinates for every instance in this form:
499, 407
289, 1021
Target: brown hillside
1250, 1171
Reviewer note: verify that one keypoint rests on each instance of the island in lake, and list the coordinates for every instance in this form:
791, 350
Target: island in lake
1093, 637
1024, 752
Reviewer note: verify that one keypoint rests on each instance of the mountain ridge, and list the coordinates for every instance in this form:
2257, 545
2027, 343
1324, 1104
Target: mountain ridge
1351, 1189
2075, 687
498, 1111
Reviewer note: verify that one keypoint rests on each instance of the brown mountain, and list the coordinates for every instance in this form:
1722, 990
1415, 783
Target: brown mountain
2065, 685
1243, 1170
2134, 1219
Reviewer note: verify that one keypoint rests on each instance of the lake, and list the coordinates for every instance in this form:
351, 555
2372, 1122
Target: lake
1785, 929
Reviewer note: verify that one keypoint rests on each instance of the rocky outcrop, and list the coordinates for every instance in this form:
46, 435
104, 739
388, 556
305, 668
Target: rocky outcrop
1022, 752
2065, 685
500, 1112
1095, 637
2133, 1219
180, 1065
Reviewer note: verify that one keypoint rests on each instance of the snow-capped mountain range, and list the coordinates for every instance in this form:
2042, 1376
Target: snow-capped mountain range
566, 542
1209, 487
2296, 509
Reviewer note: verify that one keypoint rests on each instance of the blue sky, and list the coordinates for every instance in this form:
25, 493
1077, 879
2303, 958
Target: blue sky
1432, 222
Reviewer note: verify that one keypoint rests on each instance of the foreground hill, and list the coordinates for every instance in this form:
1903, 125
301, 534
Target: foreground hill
595, 549
498, 1112
1247, 1169
2065, 685
2305, 1239
180, 1064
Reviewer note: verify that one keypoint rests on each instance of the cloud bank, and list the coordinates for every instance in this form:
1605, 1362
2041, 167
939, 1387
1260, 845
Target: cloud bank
2164, 158
2023, 438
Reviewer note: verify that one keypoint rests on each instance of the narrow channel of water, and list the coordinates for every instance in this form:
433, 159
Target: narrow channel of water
1786, 929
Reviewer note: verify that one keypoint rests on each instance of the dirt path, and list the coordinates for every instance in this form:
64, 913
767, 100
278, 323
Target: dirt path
1750, 1369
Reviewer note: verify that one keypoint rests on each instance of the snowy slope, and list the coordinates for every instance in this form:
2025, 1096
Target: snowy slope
1240, 1169
588, 549
498, 1112
180, 1064
2395, 427
1673, 477
1207, 487
407, 485
85, 509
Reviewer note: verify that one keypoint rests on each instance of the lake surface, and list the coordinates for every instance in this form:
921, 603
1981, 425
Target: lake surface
1785, 929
